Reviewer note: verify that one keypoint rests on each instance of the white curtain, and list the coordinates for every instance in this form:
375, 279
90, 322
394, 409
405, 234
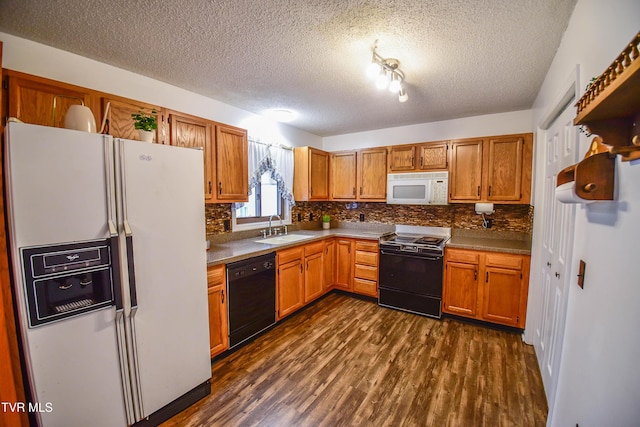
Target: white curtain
276, 160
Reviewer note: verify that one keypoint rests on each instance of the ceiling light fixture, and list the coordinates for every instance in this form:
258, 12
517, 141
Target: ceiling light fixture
281, 115
387, 74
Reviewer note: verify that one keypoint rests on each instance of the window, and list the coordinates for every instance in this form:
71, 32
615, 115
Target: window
265, 200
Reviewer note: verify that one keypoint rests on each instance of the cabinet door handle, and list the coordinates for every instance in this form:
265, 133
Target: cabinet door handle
311, 191
421, 161
354, 191
487, 277
301, 270
478, 190
475, 275
361, 191
489, 190
220, 188
412, 160
222, 294
210, 187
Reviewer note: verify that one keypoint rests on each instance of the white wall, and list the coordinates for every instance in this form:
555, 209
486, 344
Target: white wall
44, 61
488, 125
599, 377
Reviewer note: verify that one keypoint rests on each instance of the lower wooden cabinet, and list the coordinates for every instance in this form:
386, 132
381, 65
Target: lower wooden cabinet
365, 271
218, 324
290, 284
344, 262
488, 286
329, 276
313, 271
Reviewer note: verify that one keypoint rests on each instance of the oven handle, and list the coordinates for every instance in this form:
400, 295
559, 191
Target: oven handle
408, 255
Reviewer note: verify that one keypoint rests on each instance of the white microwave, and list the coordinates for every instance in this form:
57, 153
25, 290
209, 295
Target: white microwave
420, 188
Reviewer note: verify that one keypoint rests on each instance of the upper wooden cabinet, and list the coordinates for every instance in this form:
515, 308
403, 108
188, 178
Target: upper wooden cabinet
194, 132
402, 158
311, 174
418, 157
372, 176
120, 123
359, 175
343, 175
231, 156
30, 99
465, 179
225, 155
433, 156
492, 169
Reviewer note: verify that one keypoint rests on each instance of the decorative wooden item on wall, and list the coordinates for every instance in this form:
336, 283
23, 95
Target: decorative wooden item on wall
610, 107
594, 175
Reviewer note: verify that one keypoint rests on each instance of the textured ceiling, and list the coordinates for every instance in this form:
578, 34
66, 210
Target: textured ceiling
461, 57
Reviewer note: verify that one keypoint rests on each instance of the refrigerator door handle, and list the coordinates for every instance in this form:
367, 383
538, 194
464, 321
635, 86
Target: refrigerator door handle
115, 267
131, 268
114, 245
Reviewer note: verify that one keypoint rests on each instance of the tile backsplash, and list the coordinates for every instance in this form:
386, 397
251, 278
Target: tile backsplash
518, 218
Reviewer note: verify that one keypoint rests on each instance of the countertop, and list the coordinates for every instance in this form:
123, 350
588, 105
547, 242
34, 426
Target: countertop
224, 252
492, 241
237, 250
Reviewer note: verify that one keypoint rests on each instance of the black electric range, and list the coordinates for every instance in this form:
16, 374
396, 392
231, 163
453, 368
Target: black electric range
412, 270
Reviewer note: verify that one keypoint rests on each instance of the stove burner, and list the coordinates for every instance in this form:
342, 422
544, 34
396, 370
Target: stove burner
414, 243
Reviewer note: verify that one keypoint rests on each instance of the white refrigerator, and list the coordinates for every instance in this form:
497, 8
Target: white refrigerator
108, 255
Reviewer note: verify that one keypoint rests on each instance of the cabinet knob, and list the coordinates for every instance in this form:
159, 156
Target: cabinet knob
548, 264
557, 275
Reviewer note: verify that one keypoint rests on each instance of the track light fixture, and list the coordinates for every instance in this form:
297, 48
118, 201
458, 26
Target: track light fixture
387, 74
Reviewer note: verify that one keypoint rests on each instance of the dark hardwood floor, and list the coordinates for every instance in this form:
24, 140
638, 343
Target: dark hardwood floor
347, 362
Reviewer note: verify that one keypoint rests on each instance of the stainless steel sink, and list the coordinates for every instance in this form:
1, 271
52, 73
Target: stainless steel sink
284, 239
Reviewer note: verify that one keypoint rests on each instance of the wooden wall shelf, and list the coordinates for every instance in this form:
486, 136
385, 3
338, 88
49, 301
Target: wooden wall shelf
610, 107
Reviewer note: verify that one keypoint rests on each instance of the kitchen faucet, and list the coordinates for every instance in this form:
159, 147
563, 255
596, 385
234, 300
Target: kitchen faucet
270, 218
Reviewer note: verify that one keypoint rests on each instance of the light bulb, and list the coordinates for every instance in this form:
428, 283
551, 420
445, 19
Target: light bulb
402, 95
373, 70
383, 80
394, 86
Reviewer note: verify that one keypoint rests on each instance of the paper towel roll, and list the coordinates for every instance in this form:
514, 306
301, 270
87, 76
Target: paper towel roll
566, 193
484, 208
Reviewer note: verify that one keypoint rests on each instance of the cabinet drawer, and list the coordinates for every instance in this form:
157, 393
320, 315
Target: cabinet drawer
367, 246
288, 255
313, 248
504, 261
367, 258
216, 275
367, 287
468, 257
366, 272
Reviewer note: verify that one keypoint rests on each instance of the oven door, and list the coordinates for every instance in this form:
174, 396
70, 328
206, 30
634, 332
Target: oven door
411, 273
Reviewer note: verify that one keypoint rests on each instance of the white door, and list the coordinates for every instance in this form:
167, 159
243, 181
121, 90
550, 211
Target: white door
557, 244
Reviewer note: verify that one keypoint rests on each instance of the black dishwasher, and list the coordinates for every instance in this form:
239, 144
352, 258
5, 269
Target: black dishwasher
251, 289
